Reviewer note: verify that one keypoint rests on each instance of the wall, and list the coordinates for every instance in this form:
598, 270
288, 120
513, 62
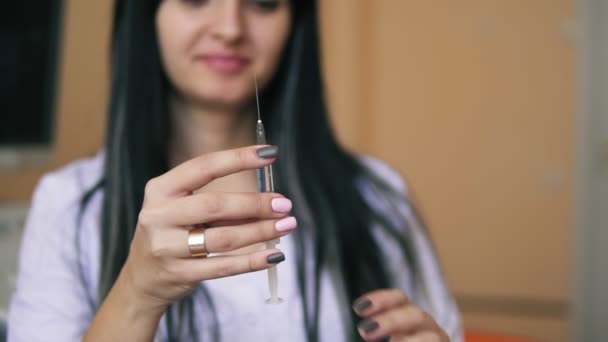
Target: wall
473, 101
82, 84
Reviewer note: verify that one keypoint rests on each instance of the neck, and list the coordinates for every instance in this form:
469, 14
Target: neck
197, 129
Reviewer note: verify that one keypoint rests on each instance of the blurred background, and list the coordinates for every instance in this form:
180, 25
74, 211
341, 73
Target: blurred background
494, 110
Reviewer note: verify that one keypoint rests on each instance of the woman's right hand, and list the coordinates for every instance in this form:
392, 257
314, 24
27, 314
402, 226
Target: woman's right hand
160, 269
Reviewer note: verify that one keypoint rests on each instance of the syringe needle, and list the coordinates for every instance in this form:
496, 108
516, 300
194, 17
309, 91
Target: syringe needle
257, 100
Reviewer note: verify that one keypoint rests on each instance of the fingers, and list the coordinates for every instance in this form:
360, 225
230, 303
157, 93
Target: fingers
225, 239
378, 301
405, 319
208, 207
194, 270
173, 242
195, 173
389, 313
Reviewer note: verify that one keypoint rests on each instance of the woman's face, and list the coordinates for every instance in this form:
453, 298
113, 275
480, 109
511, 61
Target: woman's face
211, 49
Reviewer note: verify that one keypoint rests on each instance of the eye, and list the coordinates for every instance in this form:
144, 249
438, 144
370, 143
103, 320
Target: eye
195, 3
265, 5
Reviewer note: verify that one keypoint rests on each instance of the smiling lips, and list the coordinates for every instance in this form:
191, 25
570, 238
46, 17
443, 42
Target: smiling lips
225, 63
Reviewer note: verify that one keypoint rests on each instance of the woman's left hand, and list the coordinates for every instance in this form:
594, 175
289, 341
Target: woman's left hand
390, 314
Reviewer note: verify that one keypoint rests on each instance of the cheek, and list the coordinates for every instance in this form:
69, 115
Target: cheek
164, 32
173, 39
271, 39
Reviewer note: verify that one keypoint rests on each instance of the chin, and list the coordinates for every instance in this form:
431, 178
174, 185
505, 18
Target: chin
224, 99
220, 92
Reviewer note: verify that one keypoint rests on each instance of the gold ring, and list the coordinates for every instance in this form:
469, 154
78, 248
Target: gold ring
196, 243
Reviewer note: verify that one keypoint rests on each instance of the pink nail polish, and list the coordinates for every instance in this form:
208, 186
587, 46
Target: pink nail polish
286, 224
281, 205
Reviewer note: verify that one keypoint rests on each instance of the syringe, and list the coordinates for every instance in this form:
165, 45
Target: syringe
266, 184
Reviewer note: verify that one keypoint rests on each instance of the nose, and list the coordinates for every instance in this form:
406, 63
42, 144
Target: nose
228, 23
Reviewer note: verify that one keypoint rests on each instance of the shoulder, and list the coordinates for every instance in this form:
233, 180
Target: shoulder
385, 191
50, 255
384, 172
56, 202
54, 228
65, 187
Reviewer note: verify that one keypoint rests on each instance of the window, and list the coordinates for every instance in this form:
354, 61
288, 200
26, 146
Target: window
29, 46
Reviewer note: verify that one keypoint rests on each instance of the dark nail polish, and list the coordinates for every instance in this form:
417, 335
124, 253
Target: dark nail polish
268, 152
361, 305
275, 258
368, 326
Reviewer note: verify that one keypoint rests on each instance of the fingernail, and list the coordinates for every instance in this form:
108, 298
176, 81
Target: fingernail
368, 326
280, 205
268, 152
275, 258
361, 305
286, 224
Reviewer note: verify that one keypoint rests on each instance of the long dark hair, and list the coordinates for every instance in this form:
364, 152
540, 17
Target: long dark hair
314, 170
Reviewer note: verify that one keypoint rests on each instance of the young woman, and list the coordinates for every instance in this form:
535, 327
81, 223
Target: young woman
108, 251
